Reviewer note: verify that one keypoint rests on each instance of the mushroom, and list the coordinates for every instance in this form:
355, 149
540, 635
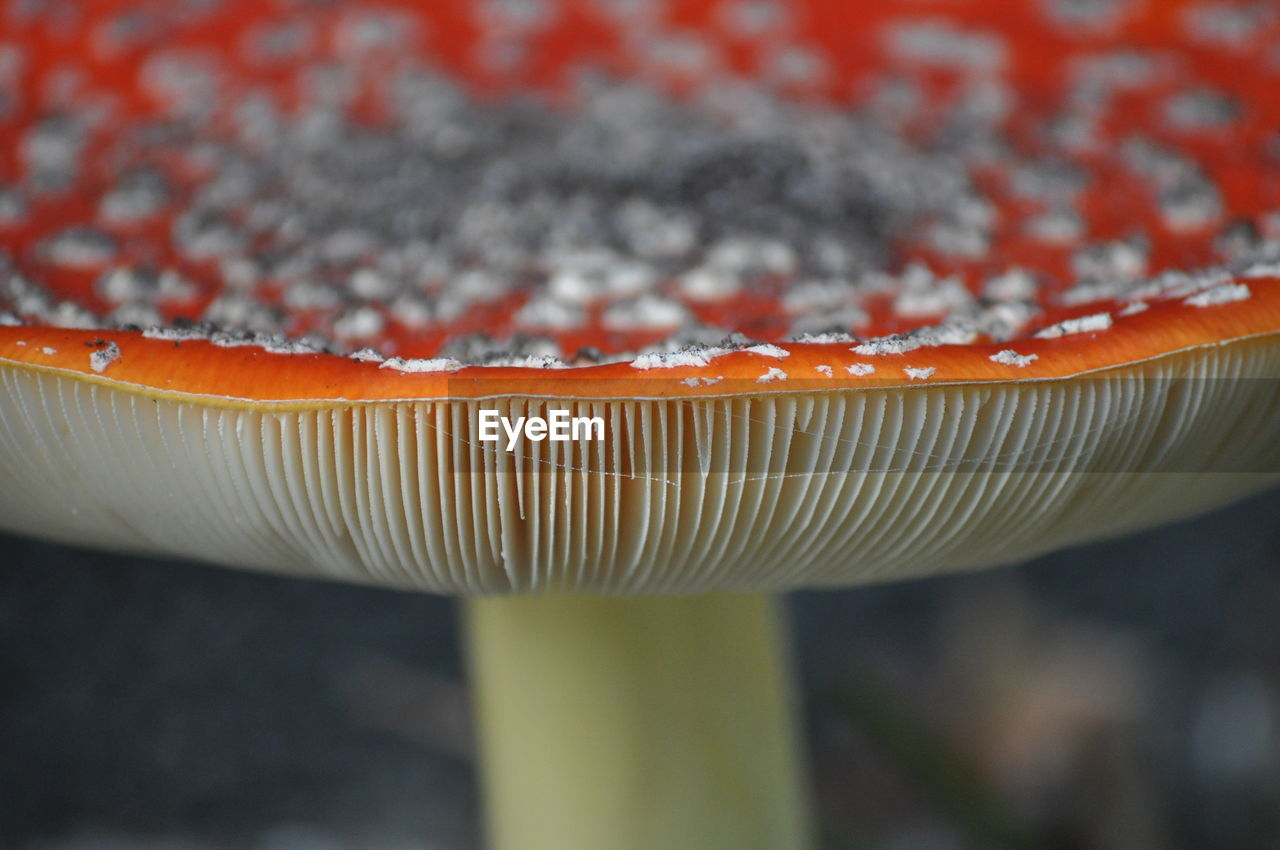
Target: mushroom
617, 373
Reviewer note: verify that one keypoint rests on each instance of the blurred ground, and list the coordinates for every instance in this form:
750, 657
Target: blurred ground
1124, 695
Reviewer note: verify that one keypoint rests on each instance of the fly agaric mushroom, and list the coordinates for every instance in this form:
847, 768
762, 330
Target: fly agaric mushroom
310, 292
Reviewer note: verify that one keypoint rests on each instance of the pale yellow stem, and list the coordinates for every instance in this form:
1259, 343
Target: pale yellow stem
636, 724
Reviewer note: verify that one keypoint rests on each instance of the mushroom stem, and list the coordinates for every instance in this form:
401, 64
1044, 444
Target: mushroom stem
636, 723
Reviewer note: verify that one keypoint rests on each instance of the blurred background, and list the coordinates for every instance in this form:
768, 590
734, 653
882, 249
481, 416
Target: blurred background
1122, 695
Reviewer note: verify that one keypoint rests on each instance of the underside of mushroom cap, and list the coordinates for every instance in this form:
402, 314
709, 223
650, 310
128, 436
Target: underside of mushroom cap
751, 491
852, 294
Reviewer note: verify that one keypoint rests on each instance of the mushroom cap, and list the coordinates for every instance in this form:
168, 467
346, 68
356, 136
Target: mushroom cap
1073, 335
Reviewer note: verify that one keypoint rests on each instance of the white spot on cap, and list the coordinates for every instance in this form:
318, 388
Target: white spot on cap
833, 337
940, 44
587, 276
860, 369
1262, 270
920, 373
696, 357
102, 358
824, 370
769, 351
1224, 294
708, 283
68, 314
774, 374
223, 339
701, 382
825, 295
648, 312
434, 364
1119, 260
363, 321
280, 344
948, 333
1172, 283
1056, 226
895, 344
1013, 284
1083, 324
175, 334
1133, 307
121, 285
80, 248
546, 313
932, 298
528, 361
1009, 357
368, 355
752, 256
371, 284
49, 351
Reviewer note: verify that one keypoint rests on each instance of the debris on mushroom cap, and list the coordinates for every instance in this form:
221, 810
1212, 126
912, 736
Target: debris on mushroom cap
1009, 357
772, 280
433, 364
1080, 325
102, 358
692, 356
1220, 295
768, 351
